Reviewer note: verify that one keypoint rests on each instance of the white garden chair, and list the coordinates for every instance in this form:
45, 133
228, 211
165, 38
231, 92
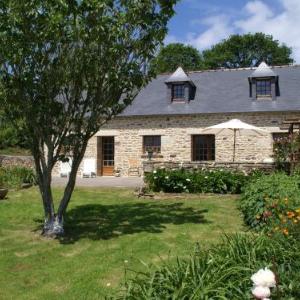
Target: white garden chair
89, 168
65, 168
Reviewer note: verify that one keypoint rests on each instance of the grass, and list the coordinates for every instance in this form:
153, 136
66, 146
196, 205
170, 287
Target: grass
15, 151
107, 231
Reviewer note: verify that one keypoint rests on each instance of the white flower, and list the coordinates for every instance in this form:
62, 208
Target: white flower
264, 277
188, 180
261, 292
108, 284
205, 177
154, 172
155, 177
126, 261
184, 187
167, 177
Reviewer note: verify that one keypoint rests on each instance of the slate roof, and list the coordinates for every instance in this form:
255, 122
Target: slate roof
219, 91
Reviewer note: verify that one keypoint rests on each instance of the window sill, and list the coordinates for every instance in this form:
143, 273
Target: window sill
259, 98
178, 100
200, 161
153, 156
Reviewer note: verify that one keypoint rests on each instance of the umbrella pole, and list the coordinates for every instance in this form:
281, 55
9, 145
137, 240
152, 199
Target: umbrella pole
234, 144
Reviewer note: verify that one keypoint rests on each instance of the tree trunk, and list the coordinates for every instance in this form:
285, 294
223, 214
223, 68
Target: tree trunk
54, 223
51, 225
70, 185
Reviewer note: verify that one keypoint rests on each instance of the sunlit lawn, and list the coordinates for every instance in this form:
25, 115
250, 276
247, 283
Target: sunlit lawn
107, 231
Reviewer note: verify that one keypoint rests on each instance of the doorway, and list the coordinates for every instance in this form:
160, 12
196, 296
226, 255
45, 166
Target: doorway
108, 155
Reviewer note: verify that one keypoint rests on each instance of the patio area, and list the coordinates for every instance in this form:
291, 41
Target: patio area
103, 181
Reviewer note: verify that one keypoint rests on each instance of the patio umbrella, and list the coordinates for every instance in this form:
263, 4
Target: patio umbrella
234, 125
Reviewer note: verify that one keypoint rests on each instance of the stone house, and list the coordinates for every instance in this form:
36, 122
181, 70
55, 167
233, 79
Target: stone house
169, 114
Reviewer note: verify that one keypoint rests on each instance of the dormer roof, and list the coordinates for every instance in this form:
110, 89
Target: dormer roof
263, 70
179, 76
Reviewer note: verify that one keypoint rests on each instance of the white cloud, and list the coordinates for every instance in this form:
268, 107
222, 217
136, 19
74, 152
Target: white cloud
257, 16
218, 29
284, 26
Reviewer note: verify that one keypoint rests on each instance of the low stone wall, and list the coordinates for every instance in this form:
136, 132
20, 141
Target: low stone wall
20, 161
149, 166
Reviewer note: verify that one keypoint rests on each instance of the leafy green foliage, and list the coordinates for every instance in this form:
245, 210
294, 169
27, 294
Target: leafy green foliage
223, 272
67, 67
266, 198
9, 135
174, 55
220, 181
14, 177
247, 50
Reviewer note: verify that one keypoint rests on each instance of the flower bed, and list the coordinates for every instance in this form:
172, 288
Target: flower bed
272, 203
220, 181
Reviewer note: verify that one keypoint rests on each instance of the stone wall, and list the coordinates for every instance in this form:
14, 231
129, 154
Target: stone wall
20, 161
176, 138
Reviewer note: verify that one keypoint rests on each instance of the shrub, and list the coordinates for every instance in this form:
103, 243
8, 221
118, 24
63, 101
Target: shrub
14, 177
198, 181
223, 272
267, 198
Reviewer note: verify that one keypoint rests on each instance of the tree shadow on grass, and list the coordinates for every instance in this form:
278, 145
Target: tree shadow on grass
96, 221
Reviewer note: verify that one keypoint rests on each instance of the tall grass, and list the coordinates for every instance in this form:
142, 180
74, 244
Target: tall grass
14, 177
223, 272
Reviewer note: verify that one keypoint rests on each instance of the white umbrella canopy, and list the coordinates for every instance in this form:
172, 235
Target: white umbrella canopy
234, 125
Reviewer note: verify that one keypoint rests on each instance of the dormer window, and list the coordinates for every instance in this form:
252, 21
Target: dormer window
180, 87
263, 88
178, 92
264, 83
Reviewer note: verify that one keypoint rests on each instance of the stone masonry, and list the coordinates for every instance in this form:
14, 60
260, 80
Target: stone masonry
176, 138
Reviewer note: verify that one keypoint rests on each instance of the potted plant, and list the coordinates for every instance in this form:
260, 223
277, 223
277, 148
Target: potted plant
3, 191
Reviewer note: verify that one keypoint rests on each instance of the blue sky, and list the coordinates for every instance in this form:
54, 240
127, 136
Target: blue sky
203, 23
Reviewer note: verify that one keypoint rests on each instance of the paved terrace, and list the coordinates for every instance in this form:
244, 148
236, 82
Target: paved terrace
131, 182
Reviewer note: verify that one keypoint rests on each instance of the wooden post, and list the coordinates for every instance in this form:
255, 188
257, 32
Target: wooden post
234, 143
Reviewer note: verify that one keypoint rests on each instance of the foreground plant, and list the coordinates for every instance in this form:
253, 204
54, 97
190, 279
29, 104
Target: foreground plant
224, 272
66, 68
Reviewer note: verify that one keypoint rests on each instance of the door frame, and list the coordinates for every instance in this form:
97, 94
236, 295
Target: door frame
100, 155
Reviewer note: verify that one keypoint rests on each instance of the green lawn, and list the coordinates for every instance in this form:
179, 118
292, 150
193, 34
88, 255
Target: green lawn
107, 231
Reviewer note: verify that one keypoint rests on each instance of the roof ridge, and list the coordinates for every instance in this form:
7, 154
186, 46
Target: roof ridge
232, 70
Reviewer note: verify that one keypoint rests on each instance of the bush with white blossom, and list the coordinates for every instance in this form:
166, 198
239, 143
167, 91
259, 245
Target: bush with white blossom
221, 181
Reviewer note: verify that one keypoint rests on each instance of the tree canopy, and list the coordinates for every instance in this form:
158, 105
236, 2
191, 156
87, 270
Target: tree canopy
247, 50
174, 55
69, 66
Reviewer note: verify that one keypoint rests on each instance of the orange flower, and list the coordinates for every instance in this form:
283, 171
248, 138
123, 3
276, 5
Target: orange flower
285, 231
